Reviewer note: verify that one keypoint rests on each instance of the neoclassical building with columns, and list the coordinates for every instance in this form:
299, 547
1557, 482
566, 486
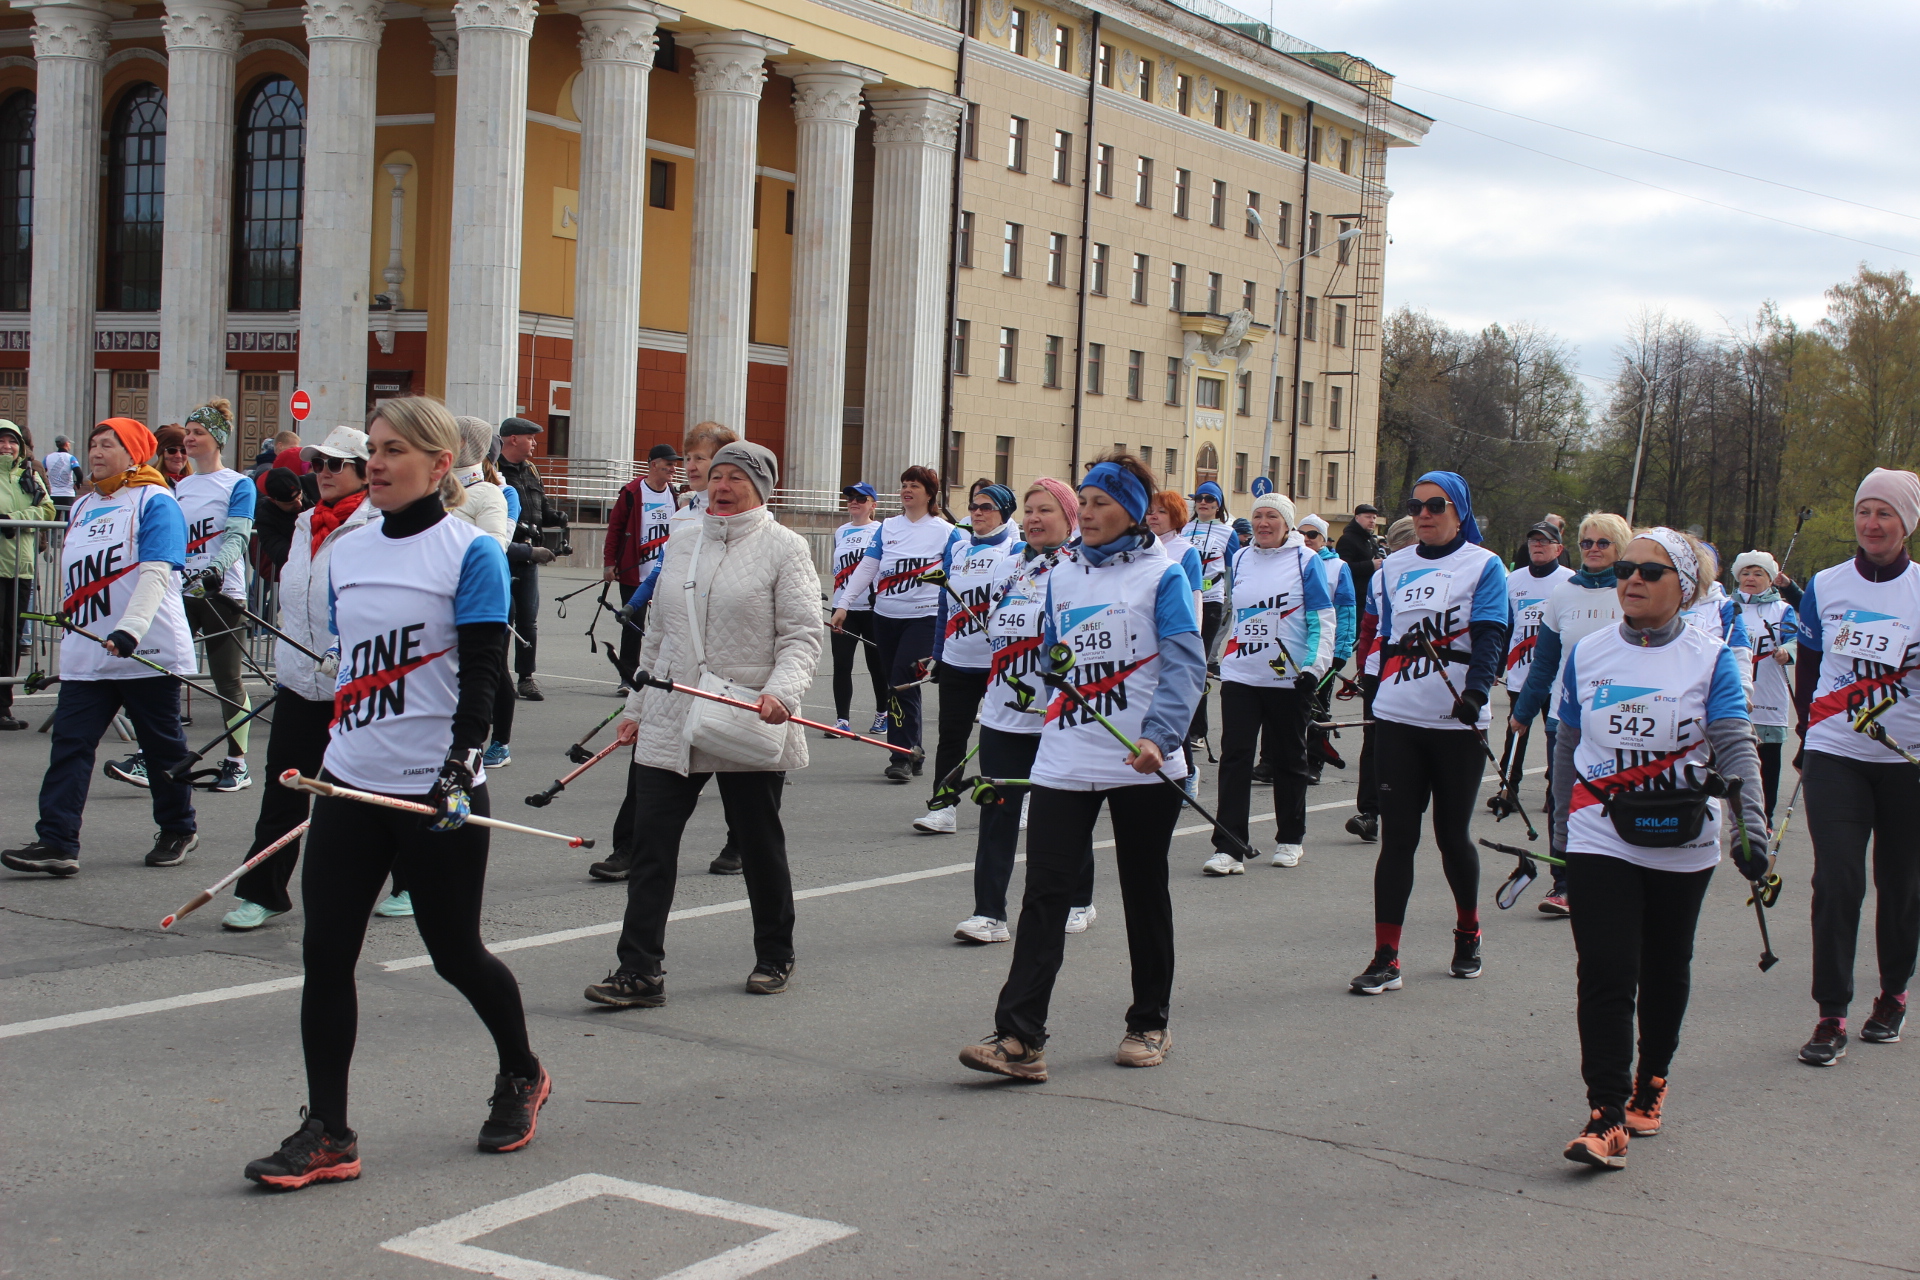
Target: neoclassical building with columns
843, 227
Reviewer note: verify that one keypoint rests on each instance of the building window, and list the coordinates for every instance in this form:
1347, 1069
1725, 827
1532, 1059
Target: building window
1333, 481
1056, 259
1303, 478
1173, 461
1143, 182
1339, 324
1140, 266
1002, 459
1243, 394
1306, 404
1146, 80
16, 203
1286, 132
660, 176
136, 187
1346, 155
267, 181
1313, 234
962, 339
1010, 251
1207, 392
1273, 470
1206, 466
1213, 291
963, 239
1183, 94
1182, 181
1313, 143
1096, 368
1335, 395
970, 132
1217, 205
1249, 292
1173, 379
1103, 170
1098, 284
1309, 322
1239, 473
1050, 361
1146, 456
1136, 373
1253, 215
1279, 403
1253, 121
1104, 66
1062, 156
1177, 287
1009, 355
1062, 52
1016, 144
1017, 31
956, 454
1283, 225
1219, 108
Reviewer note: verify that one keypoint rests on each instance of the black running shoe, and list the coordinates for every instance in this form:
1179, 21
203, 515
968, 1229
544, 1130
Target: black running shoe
624, 989
1263, 775
1466, 954
1364, 825
171, 848
898, 770
769, 979
42, 857
132, 770
308, 1156
618, 867
727, 864
1829, 1043
1883, 1026
1383, 974
516, 1106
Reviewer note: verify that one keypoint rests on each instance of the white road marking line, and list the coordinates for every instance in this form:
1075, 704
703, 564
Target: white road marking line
221, 994
446, 1242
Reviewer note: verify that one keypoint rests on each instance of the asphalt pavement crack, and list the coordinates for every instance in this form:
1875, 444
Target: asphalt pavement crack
143, 930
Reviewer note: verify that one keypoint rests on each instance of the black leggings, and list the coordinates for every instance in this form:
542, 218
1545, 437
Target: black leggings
1848, 803
903, 643
351, 847
1417, 764
1633, 931
961, 692
1245, 711
857, 626
1770, 774
1010, 755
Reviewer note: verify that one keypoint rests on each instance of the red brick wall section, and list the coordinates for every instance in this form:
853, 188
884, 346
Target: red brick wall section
662, 383
767, 407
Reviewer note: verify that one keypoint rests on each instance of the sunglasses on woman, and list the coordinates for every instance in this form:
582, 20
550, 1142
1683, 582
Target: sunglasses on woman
1432, 506
325, 463
1595, 544
1650, 571
982, 508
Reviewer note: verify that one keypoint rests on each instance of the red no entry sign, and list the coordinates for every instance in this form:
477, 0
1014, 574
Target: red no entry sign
300, 406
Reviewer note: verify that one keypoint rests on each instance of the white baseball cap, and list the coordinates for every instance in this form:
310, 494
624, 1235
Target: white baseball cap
341, 442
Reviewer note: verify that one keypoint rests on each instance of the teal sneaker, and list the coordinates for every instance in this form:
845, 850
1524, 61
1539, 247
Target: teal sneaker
248, 915
396, 906
498, 756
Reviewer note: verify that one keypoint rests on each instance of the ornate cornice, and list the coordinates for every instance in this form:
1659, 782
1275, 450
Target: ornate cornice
211, 25
728, 70
614, 36
62, 31
923, 117
446, 45
502, 15
830, 102
345, 20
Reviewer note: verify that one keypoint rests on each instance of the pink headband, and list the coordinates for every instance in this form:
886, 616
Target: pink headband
1069, 502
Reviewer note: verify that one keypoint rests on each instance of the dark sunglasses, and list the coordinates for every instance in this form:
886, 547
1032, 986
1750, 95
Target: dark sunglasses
1594, 544
325, 463
175, 448
1432, 506
1650, 571
982, 507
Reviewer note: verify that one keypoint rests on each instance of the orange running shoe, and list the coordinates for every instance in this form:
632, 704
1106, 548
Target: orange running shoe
1602, 1144
309, 1155
1643, 1108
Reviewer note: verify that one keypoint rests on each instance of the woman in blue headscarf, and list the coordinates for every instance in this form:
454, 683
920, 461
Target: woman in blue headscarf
1447, 590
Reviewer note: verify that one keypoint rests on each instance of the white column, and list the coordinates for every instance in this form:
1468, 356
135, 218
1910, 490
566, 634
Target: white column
343, 57
617, 44
913, 139
489, 173
826, 107
196, 250
728, 70
70, 47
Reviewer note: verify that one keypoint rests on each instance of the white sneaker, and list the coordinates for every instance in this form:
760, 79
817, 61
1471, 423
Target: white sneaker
1026, 803
982, 929
1080, 919
939, 822
1224, 864
1288, 855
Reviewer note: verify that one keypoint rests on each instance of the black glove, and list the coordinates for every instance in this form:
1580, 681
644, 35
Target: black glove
123, 644
540, 555
449, 797
204, 582
1466, 707
1800, 759
1750, 863
1339, 664
1306, 682
1369, 686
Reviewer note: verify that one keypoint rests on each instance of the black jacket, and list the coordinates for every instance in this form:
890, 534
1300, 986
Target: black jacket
537, 511
1358, 548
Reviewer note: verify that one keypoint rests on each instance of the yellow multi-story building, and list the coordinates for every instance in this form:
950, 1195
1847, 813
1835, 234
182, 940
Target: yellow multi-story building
840, 226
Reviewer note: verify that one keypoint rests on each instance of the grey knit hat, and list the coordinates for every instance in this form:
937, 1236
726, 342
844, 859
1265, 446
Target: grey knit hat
756, 460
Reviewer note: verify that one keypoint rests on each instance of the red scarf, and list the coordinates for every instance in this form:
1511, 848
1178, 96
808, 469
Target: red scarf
330, 516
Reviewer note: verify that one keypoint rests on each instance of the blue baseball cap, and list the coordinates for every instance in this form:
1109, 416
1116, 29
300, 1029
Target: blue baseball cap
860, 490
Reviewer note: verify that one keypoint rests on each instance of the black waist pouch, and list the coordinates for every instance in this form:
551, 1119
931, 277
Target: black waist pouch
1654, 819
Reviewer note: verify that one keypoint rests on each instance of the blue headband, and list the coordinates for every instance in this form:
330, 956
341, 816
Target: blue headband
1454, 486
1121, 485
1000, 496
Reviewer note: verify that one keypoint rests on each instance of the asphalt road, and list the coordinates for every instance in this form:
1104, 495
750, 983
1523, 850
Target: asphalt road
1296, 1130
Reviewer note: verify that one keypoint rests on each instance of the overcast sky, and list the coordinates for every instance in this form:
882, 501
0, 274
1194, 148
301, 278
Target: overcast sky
1813, 93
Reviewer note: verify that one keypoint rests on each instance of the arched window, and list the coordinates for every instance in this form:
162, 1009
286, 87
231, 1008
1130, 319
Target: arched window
136, 190
1206, 466
269, 171
16, 201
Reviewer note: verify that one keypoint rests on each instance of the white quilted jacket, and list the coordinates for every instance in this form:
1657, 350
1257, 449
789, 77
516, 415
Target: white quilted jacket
303, 604
760, 596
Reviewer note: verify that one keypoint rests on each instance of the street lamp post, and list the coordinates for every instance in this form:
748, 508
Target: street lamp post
1273, 364
1640, 445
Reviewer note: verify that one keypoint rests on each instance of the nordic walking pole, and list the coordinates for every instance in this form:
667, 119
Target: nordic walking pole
1433, 656
205, 896
1061, 659
947, 783
180, 771
1799, 518
577, 751
1767, 958
545, 798
1868, 722
652, 681
292, 778
842, 631
62, 621
272, 630
938, 577
1524, 872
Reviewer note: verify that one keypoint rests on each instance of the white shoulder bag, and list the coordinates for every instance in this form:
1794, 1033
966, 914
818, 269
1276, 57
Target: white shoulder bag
719, 730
